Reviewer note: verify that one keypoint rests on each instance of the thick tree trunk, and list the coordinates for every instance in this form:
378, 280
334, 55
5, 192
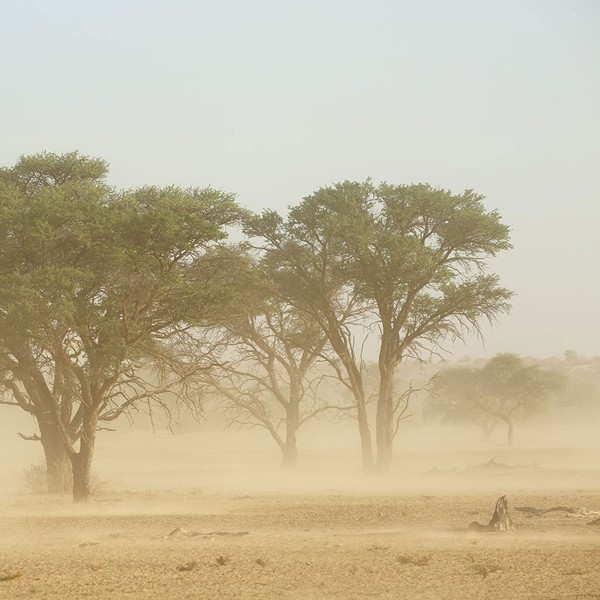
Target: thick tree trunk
365, 438
81, 461
82, 472
385, 417
289, 450
58, 466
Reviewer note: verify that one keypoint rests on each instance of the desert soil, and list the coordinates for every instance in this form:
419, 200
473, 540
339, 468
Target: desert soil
334, 546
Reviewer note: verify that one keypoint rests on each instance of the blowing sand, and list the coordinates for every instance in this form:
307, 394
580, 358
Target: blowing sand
326, 531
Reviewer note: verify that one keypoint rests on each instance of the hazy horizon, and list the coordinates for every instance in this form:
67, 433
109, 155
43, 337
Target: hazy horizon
272, 100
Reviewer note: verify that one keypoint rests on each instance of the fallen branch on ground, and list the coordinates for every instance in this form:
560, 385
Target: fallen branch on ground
182, 531
571, 512
490, 465
493, 464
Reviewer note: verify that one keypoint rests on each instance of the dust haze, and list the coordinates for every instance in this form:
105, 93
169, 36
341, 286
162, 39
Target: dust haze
203, 507
192, 457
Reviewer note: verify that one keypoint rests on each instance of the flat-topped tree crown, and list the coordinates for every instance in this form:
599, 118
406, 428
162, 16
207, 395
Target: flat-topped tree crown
95, 280
411, 258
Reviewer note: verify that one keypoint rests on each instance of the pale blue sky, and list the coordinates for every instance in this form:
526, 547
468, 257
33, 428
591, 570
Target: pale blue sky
272, 99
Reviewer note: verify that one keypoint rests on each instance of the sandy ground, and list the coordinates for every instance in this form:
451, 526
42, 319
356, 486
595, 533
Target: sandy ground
319, 533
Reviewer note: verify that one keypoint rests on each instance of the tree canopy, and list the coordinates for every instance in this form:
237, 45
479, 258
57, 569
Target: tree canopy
411, 258
99, 284
505, 389
92, 282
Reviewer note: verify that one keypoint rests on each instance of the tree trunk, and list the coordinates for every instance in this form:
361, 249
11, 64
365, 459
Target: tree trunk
384, 439
342, 347
289, 450
510, 429
510, 434
365, 438
81, 461
58, 466
385, 417
82, 471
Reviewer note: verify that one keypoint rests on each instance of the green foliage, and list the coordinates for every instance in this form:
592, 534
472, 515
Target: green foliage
113, 267
414, 254
410, 259
93, 281
46, 169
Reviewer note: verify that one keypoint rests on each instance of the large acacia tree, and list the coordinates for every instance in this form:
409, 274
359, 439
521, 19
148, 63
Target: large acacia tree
412, 257
304, 264
94, 284
31, 215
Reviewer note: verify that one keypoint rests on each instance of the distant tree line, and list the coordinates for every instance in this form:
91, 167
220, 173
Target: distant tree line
508, 389
501, 391
112, 298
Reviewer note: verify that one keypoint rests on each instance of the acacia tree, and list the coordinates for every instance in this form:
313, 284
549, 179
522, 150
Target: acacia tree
304, 264
413, 257
501, 391
94, 282
455, 396
264, 372
266, 377
31, 378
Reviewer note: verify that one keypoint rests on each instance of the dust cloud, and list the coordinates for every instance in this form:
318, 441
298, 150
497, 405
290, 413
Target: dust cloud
203, 458
205, 509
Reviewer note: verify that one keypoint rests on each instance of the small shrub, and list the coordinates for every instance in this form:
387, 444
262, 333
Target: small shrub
485, 570
188, 566
377, 547
34, 478
417, 561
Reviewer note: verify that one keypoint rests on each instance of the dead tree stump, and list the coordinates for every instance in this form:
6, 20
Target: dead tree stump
500, 520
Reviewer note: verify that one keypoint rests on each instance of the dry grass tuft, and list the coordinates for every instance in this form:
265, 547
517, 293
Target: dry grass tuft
485, 570
377, 547
417, 561
188, 566
10, 575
